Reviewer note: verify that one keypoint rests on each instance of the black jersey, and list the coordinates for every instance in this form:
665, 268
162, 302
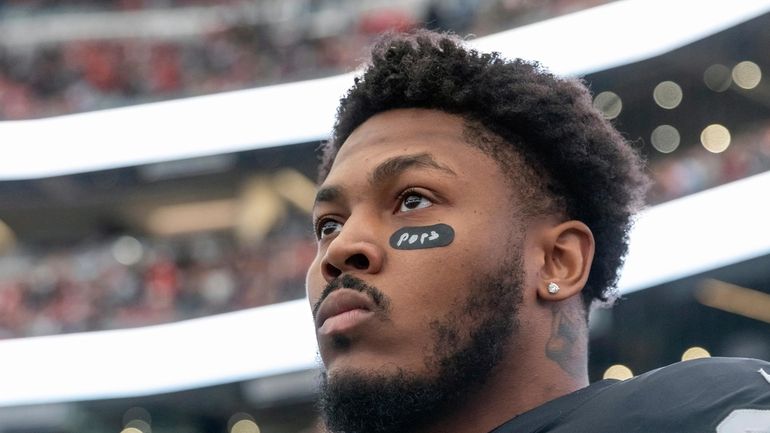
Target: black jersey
722, 395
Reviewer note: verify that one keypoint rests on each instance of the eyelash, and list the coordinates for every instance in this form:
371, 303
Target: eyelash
319, 225
406, 193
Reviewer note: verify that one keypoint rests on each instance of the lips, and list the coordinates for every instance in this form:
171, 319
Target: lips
342, 309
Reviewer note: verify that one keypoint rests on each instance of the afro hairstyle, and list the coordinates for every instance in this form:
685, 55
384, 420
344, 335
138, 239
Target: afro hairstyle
578, 163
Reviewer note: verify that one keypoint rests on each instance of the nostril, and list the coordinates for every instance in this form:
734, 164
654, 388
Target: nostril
331, 271
358, 261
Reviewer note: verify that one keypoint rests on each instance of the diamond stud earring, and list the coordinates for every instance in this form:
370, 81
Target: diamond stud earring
553, 288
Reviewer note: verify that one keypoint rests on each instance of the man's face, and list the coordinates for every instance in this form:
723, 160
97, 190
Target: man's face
393, 312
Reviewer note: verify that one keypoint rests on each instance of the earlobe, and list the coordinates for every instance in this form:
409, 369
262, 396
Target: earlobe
569, 251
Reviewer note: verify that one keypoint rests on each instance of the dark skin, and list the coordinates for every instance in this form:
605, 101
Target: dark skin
412, 167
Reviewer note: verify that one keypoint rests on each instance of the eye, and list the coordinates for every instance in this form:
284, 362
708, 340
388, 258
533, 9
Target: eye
327, 227
411, 200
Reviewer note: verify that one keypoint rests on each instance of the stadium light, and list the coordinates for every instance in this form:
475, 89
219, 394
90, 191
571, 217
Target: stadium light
155, 359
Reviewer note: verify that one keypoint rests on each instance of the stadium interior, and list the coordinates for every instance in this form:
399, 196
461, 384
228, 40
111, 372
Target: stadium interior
156, 263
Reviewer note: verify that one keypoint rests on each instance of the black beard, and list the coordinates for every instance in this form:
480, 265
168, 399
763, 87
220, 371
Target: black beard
402, 402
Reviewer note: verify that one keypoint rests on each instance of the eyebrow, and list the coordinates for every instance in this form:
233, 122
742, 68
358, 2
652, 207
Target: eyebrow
389, 168
328, 194
398, 164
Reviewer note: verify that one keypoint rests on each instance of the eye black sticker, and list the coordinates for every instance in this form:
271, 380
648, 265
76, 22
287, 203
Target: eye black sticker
415, 238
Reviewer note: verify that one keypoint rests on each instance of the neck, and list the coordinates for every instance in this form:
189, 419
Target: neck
551, 364
505, 397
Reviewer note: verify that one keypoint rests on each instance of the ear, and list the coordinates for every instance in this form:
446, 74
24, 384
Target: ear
569, 251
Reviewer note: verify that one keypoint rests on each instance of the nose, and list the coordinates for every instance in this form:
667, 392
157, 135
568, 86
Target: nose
354, 250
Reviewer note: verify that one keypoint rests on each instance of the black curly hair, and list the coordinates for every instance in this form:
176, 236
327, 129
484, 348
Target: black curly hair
574, 162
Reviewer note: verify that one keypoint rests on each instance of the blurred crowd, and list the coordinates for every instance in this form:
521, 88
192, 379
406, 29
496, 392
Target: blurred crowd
127, 281
87, 74
47, 6
694, 169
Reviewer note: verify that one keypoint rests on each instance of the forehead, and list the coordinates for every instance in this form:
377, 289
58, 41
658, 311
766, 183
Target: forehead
409, 131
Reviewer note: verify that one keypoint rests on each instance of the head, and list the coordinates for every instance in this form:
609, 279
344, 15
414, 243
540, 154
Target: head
534, 185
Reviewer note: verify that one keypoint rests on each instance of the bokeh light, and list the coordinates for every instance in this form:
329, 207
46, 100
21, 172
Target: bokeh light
718, 77
715, 138
609, 103
665, 138
695, 353
618, 371
667, 94
242, 422
127, 250
245, 426
747, 75
138, 424
137, 420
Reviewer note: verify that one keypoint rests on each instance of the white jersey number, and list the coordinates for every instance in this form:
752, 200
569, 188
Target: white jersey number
746, 421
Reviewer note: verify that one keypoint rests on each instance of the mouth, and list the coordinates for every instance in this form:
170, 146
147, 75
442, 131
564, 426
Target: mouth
343, 310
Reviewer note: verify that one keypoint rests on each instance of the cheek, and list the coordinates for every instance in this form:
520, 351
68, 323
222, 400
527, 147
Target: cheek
449, 270
314, 281
429, 281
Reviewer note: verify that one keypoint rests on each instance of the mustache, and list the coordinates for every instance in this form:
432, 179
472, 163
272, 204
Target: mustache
380, 300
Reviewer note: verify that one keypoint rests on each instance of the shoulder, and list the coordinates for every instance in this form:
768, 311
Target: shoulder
704, 395
706, 381
714, 374
713, 395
